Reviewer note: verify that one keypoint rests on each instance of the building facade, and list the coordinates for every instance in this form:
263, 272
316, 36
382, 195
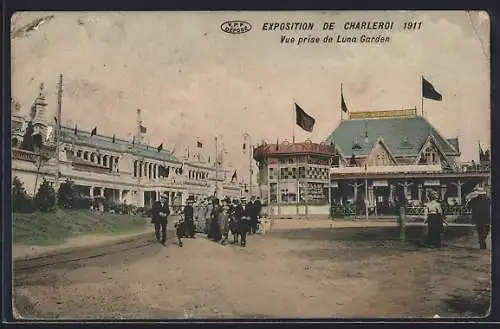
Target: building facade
375, 160
294, 177
119, 170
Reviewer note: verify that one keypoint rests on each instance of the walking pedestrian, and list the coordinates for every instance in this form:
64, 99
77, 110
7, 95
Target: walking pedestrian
159, 213
480, 205
434, 220
188, 213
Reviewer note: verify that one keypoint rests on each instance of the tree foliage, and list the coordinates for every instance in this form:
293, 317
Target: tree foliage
45, 197
28, 142
66, 195
21, 201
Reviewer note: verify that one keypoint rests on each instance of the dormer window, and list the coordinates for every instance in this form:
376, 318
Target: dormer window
405, 144
356, 146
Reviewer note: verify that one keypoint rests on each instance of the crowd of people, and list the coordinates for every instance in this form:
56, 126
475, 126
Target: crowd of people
212, 216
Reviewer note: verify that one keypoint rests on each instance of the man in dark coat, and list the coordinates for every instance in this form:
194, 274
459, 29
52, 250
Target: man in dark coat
481, 215
159, 214
249, 212
245, 220
188, 213
257, 210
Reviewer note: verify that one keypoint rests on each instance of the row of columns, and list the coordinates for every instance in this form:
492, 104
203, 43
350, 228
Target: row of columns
406, 185
152, 171
108, 161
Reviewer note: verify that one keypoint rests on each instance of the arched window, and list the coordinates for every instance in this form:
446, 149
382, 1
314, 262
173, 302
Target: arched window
135, 168
79, 153
86, 155
105, 160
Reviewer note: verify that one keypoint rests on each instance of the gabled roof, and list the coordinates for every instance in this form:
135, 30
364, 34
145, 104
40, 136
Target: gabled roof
454, 143
380, 141
120, 145
402, 136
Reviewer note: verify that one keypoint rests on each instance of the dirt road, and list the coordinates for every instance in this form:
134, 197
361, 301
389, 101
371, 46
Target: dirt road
300, 272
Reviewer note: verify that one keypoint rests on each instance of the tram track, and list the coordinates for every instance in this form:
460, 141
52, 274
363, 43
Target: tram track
82, 254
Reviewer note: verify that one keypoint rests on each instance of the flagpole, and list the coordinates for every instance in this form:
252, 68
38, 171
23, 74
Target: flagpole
366, 192
58, 135
139, 162
294, 123
422, 94
341, 109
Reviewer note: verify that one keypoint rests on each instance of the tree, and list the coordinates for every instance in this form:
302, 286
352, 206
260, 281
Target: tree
21, 201
45, 197
66, 195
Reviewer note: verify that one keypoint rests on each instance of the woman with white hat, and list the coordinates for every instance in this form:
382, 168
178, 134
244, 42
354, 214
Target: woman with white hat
434, 220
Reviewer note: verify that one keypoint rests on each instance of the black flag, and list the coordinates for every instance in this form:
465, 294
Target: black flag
133, 140
143, 129
160, 147
199, 144
114, 139
342, 103
429, 92
94, 132
304, 120
76, 130
234, 176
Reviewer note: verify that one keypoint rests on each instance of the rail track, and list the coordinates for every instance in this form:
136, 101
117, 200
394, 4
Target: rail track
62, 258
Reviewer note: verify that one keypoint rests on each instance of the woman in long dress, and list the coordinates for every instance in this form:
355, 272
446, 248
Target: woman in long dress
214, 231
434, 220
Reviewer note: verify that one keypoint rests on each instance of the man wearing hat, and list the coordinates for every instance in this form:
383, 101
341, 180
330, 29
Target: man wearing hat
159, 214
188, 216
481, 214
245, 220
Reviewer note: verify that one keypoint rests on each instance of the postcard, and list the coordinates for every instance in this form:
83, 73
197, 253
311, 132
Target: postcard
251, 165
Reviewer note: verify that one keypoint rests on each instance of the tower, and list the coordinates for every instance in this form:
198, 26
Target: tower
18, 123
38, 116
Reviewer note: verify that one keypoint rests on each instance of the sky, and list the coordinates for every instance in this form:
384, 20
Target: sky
193, 81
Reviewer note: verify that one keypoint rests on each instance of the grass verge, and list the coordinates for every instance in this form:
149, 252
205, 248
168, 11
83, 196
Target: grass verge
44, 229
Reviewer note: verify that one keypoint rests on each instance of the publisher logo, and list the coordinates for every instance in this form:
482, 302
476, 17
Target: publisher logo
236, 27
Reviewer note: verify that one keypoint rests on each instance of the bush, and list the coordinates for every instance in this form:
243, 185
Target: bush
21, 201
81, 202
66, 195
45, 197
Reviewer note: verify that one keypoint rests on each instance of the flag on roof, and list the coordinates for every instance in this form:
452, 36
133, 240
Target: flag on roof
303, 120
428, 91
342, 103
94, 132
